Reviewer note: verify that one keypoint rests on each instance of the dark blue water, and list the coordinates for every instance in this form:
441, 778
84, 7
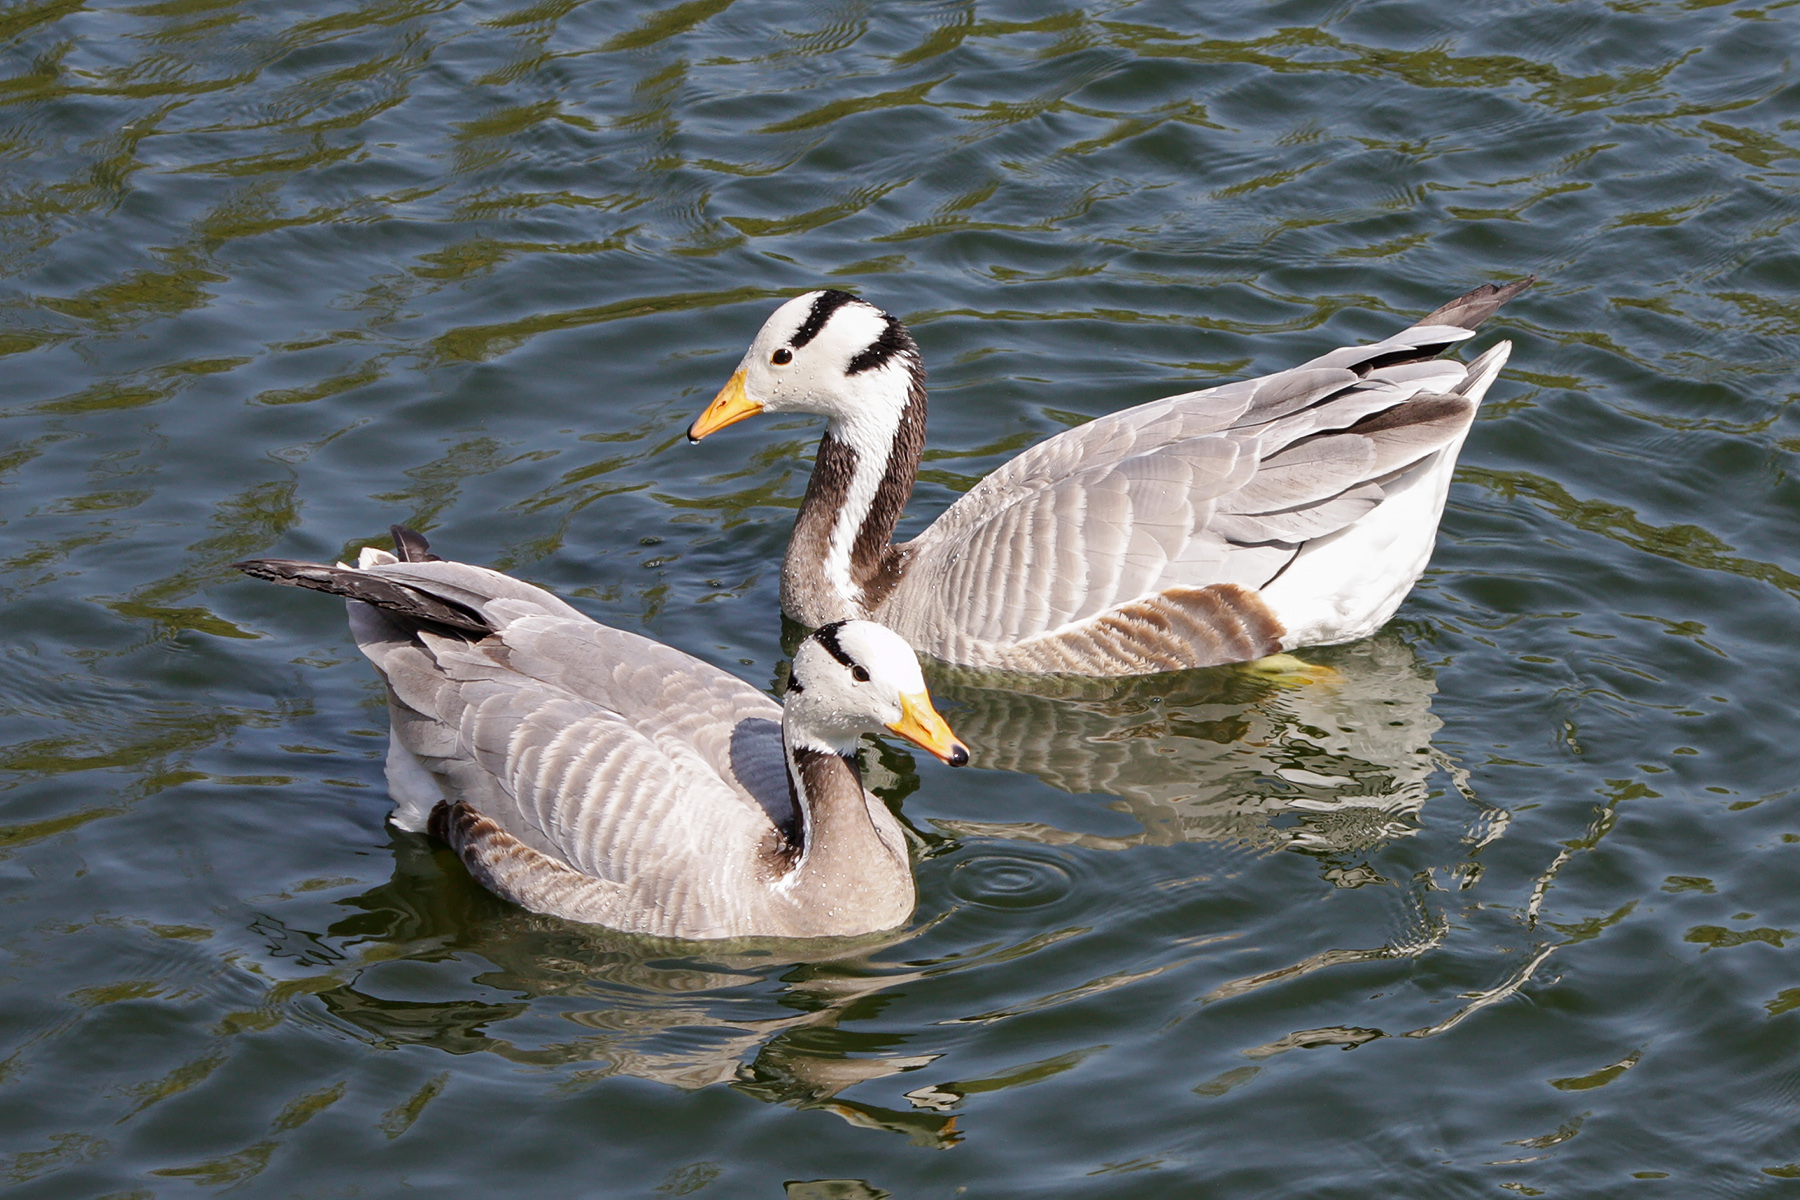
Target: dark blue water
1500, 899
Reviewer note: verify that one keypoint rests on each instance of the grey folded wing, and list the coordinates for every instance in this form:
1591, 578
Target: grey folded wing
608, 755
1215, 487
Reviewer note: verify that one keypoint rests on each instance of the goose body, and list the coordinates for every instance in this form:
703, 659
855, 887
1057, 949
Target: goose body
1215, 526
596, 775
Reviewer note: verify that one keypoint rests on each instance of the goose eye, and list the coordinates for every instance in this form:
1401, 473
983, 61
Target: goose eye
859, 673
782, 357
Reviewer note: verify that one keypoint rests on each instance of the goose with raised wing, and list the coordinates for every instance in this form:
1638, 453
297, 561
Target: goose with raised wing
1295, 509
596, 775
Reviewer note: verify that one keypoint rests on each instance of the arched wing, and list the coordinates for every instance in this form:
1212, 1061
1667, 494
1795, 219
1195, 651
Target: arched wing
599, 750
1221, 486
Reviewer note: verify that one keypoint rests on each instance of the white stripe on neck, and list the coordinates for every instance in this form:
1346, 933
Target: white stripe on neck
798, 736
868, 423
803, 817
792, 741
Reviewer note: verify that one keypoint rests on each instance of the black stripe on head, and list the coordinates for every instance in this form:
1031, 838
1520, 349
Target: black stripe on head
824, 304
893, 340
827, 636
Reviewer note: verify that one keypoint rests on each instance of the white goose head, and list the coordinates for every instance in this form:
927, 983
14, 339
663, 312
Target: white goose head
855, 677
827, 353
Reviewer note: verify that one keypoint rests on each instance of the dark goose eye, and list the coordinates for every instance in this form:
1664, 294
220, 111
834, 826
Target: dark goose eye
859, 673
782, 357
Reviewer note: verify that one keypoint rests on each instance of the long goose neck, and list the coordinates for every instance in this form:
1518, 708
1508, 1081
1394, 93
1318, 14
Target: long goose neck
842, 859
841, 562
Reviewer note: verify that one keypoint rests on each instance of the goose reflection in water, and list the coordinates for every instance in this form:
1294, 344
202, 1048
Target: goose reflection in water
1331, 756
643, 1008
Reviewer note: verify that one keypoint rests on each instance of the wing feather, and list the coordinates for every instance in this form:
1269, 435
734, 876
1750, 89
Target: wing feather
1302, 524
1215, 487
1420, 341
597, 749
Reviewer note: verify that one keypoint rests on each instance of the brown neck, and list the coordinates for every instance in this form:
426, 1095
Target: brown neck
841, 561
842, 860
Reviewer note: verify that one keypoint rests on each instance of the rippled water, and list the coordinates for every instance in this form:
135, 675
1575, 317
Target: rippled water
1501, 899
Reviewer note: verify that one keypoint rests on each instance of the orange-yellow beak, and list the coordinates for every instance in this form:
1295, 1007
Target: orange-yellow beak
728, 408
920, 724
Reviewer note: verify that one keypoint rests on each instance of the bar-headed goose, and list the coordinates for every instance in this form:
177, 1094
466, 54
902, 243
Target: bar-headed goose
1216, 526
596, 775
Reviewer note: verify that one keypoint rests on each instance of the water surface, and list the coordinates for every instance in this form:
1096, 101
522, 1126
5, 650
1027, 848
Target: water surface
1499, 899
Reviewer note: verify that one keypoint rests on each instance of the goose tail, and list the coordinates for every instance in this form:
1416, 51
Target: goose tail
416, 608
1482, 371
1472, 308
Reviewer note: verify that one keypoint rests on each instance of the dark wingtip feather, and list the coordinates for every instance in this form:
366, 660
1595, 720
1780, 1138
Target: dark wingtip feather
1423, 409
1472, 308
425, 610
275, 570
410, 545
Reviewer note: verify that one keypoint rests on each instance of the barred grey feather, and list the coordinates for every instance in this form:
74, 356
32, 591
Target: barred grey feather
1221, 486
594, 774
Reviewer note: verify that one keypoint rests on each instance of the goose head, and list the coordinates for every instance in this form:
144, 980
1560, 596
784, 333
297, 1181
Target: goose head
855, 677
826, 353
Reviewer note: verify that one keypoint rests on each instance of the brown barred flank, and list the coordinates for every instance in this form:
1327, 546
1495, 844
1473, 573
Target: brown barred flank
506, 866
1172, 631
